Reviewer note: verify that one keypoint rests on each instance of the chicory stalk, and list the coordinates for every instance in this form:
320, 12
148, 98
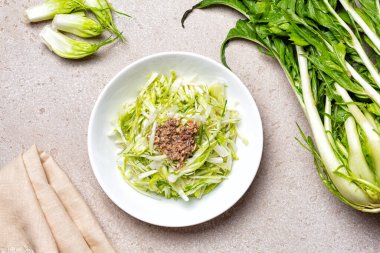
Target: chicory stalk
50, 8
335, 83
356, 160
373, 138
349, 190
100, 8
78, 24
67, 47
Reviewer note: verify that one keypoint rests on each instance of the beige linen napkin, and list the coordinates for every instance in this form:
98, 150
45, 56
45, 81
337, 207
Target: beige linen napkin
42, 212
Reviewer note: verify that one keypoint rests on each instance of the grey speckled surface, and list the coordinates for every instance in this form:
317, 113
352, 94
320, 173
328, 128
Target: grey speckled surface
47, 100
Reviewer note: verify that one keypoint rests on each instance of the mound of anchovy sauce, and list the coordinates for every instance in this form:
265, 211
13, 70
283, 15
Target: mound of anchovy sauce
175, 140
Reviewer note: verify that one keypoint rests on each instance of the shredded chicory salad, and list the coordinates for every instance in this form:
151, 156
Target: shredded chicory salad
177, 138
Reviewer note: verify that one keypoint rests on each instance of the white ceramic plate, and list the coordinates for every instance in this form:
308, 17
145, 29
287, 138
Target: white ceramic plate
168, 212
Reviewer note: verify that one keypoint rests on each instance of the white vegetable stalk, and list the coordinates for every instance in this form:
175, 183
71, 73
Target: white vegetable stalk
328, 128
356, 160
348, 190
327, 121
356, 45
216, 160
155, 158
371, 92
373, 138
182, 194
371, 120
97, 4
222, 151
368, 31
77, 24
67, 47
50, 8
147, 174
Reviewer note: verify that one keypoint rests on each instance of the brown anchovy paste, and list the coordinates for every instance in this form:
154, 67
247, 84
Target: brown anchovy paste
175, 140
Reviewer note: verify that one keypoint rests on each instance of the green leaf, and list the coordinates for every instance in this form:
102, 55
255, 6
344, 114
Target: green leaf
234, 4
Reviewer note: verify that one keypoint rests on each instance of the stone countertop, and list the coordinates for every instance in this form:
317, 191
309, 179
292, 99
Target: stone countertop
48, 100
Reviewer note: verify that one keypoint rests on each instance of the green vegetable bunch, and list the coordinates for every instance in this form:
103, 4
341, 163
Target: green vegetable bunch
69, 16
163, 98
330, 52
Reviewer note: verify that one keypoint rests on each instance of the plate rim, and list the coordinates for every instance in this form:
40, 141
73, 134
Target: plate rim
100, 98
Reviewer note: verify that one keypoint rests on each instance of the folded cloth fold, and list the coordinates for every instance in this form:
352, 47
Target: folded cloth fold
42, 212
